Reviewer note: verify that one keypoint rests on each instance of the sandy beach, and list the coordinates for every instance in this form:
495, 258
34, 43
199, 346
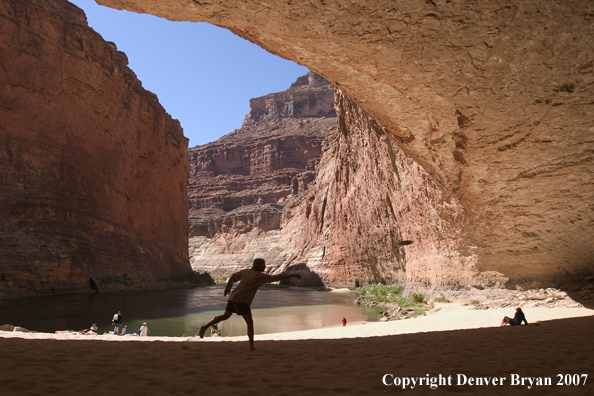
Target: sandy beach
462, 345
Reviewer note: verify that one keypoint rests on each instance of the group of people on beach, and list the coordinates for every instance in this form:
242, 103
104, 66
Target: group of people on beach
239, 301
116, 322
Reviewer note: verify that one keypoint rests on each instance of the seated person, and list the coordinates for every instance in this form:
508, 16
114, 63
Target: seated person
517, 320
90, 330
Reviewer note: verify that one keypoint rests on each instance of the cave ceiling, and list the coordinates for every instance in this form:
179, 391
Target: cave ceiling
494, 99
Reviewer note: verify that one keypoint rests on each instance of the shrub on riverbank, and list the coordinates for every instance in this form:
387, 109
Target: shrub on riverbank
381, 293
442, 299
410, 306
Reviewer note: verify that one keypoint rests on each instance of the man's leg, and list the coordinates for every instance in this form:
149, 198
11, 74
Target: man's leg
215, 320
250, 330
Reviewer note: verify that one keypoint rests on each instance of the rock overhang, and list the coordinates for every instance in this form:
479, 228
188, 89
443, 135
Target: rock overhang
490, 98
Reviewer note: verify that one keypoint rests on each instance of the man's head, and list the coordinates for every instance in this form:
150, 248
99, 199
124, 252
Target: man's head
259, 265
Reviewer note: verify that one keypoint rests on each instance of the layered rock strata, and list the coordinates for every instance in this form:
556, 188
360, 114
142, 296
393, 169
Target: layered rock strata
493, 100
368, 197
93, 171
240, 183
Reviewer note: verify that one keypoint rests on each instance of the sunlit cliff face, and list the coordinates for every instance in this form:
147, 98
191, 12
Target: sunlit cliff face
492, 100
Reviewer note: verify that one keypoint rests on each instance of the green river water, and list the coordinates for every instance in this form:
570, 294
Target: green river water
182, 312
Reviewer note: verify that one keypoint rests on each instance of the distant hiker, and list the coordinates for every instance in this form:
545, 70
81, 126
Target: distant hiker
344, 321
240, 300
143, 331
516, 321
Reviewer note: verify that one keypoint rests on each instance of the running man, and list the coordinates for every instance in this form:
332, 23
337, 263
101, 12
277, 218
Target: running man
241, 298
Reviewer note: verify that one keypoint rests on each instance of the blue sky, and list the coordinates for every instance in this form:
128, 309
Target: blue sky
203, 75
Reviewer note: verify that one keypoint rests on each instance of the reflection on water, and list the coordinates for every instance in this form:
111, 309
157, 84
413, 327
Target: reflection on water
178, 312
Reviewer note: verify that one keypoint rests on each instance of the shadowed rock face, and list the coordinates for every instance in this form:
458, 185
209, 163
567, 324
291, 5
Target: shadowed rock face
92, 169
493, 100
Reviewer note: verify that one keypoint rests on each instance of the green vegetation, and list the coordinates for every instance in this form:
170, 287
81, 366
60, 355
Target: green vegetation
475, 302
382, 293
419, 312
393, 295
418, 298
442, 299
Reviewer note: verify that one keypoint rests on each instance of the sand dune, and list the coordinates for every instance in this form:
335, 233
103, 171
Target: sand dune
456, 343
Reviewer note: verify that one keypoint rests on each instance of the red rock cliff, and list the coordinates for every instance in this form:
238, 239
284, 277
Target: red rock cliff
368, 196
240, 183
93, 171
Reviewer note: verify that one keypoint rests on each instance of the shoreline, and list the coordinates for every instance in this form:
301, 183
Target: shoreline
351, 360
450, 316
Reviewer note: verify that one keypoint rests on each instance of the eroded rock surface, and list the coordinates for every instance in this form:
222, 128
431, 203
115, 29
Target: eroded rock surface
240, 183
493, 100
93, 171
369, 196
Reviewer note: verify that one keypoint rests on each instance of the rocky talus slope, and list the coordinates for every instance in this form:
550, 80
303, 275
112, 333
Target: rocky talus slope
240, 183
493, 100
93, 171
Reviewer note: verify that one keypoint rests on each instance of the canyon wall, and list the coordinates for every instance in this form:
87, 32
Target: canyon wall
493, 100
239, 184
368, 197
93, 171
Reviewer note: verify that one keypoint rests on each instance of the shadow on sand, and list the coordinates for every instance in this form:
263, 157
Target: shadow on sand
350, 366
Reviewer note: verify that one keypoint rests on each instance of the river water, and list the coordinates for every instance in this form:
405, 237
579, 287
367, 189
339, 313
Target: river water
178, 312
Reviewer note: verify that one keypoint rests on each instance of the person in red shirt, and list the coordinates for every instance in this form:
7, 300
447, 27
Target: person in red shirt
344, 321
241, 298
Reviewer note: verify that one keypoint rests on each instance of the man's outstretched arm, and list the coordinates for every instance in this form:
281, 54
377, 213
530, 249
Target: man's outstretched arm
283, 276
